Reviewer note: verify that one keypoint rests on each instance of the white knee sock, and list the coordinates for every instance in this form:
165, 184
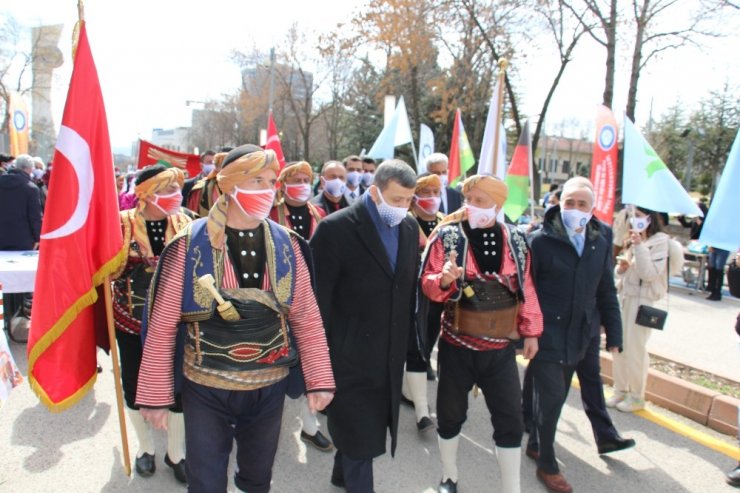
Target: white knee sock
417, 382
448, 454
143, 433
176, 436
309, 420
509, 462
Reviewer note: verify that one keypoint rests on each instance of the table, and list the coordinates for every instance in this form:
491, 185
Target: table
18, 271
701, 264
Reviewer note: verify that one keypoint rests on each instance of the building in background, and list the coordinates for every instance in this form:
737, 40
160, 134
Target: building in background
561, 158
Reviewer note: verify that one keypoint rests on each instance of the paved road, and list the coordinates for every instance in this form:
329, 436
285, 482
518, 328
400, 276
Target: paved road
79, 451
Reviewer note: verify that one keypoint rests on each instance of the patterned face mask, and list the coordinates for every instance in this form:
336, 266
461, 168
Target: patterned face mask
169, 204
430, 205
254, 203
480, 218
300, 192
390, 215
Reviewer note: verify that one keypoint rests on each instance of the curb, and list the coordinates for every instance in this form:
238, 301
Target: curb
707, 407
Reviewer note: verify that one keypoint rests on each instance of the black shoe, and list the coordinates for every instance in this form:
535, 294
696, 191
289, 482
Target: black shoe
405, 400
448, 486
615, 445
733, 477
431, 374
145, 465
425, 424
179, 469
318, 441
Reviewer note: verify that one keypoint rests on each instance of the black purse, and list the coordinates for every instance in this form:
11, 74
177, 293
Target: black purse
733, 279
651, 317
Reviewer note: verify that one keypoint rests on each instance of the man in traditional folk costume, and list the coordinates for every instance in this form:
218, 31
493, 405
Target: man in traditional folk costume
295, 212
489, 301
425, 209
156, 219
205, 192
235, 286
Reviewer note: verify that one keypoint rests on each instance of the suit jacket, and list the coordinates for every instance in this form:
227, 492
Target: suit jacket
454, 200
368, 311
325, 205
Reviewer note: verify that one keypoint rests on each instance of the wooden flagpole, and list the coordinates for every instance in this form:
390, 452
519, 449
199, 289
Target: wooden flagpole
502, 64
109, 320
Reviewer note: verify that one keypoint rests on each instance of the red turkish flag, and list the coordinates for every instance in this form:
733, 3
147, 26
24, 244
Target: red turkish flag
81, 245
152, 154
273, 141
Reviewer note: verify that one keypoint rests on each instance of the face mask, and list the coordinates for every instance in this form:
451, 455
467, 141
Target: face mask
299, 192
169, 204
392, 216
574, 219
430, 205
480, 218
367, 179
335, 187
639, 224
207, 168
445, 180
354, 178
38, 173
254, 203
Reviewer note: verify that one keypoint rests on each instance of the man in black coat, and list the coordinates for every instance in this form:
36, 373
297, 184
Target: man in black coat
452, 200
366, 259
573, 274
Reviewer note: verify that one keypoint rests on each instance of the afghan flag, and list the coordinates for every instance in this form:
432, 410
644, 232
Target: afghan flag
151, 154
517, 177
461, 155
604, 164
273, 141
81, 245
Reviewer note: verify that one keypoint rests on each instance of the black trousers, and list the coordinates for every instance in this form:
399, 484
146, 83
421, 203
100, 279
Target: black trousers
551, 383
357, 473
415, 361
496, 374
592, 395
130, 351
214, 418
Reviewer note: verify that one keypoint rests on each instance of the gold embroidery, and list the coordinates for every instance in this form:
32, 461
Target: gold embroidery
200, 294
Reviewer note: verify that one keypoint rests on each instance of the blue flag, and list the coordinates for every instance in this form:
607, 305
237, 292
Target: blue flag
647, 181
720, 228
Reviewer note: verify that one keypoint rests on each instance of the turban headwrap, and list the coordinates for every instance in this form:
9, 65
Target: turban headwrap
239, 164
148, 186
299, 167
428, 180
491, 186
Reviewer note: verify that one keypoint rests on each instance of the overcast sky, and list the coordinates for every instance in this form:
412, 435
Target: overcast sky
154, 55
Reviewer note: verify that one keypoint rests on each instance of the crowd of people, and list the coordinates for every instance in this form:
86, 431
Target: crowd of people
247, 283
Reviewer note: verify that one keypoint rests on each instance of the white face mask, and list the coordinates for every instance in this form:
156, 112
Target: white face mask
207, 168
367, 179
445, 180
574, 219
354, 178
480, 218
639, 224
335, 187
391, 215
300, 192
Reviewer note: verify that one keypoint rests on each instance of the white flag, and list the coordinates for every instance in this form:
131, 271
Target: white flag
426, 147
403, 128
485, 163
397, 132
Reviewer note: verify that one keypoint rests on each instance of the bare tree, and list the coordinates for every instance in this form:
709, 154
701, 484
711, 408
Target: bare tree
14, 65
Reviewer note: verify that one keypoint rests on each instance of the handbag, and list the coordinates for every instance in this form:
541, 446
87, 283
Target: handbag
651, 317
733, 279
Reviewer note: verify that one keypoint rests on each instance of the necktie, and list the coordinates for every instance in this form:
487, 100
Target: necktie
352, 194
578, 243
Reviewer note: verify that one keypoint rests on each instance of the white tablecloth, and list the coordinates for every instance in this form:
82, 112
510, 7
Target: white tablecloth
18, 271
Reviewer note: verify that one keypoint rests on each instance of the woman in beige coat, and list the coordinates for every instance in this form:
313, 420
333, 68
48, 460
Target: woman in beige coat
641, 280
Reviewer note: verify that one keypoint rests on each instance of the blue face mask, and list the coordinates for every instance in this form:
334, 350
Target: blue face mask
354, 178
367, 179
574, 219
335, 187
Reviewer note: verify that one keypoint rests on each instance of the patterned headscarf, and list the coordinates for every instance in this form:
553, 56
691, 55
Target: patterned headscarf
242, 162
428, 180
490, 185
148, 187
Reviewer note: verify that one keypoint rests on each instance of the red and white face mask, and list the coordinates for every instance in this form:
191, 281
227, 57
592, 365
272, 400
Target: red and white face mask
168, 204
254, 203
300, 192
430, 205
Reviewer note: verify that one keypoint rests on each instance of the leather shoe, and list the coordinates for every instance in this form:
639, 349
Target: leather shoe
425, 424
448, 486
145, 465
733, 477
615, 445
179, 469
554, 482
406, 401
318, 441
533, 454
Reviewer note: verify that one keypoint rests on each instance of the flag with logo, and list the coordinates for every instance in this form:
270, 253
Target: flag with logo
517, 176
273, 141
461, 158
81, 245
152, 154
604, 164
493, 142
426, 147
720, 229
647, 181
18, 124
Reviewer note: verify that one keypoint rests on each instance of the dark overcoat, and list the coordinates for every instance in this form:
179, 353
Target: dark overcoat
368, 311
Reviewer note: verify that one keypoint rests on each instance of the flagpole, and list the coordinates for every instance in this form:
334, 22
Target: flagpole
116, 373
530, 165
502, 64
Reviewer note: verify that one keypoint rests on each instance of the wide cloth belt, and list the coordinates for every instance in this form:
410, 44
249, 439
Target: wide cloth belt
258, 341
489, 312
